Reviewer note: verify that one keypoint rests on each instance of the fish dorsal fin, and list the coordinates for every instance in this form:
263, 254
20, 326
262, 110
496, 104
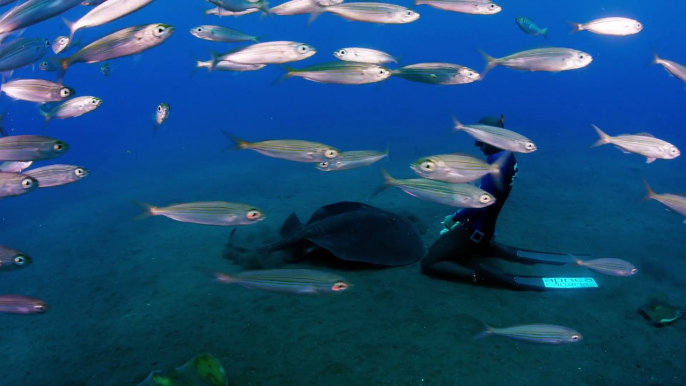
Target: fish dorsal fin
291, 226
644, 134
206, 369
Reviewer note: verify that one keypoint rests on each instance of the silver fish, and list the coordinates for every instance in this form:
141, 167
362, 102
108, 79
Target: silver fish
31, 148
19, 304
642, 143
277, 52
57, 175
22, 52
612, 267
14, 166
381, 13
364, 55
242, 5
294, 281
437, 73
225, 12
616, 26
498, 137
671, 201
217, 33
471, 7
341, 73
218, 213
36, 90
289, 149
11, 259
161, 114
541, 59
352, 160
106, 12
301, 7
15, 184
125, 42
457, 195
673, 68
535, 333
228, 66
59, 44
50, 64
72, 108
455, 168
32, 12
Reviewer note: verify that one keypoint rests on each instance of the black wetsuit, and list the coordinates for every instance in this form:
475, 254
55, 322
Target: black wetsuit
458, 254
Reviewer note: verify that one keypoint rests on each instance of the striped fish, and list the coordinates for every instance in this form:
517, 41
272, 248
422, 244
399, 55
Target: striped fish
671, 201
11, 259
541, 59
614, 26
15, 184
36, 90
300, 7
673, 68
57, 175
341, 73
371, 12
612, 267
438, 73
225, 12
19, 304
535, 333
128, 41
498, 137
471, 7
218, 213
32, 12
215, 33
277, 52
294, 281
227, 66
289, 149
106, 12
30, 148
364, 55
455, 168
642, 143
22, 52
351, 160
457, 195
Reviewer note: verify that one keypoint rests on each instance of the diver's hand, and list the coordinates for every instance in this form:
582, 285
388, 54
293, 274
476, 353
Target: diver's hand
449, 223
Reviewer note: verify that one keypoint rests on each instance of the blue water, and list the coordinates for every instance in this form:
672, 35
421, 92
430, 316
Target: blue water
127, 297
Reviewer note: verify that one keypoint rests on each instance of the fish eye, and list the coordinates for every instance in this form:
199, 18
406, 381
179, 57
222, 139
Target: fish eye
93, 101
342, 52
253, 214
199, 29
38, 307
491, 6
484, 198
339, 286
331, 153
408, 13
44, 63
47, 43
428, 166
634, 271
303, 48
581, 56
27, 183
575, 338
159, 31
159, 108
324, 164
79, 172
19, 260
65, 92
638, 25
529, 145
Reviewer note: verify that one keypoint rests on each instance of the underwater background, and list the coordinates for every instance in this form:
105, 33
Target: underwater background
129, 297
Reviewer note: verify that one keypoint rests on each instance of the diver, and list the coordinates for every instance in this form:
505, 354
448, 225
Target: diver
467, 239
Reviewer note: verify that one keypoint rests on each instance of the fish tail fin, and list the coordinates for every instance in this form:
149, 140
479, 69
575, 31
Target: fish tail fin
490, 63
650, 193
656, 58
457, 125
575, 260
287, 73
388, 147
291, 226
46, 115
544, 32
576, 27
237, 143
388, 181
224, 278
604, 138
70, 26
149, 210
487, 331
264, 7
496, 168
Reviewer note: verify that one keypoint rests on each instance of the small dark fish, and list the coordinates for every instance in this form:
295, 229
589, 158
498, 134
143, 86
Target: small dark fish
16, 184
530, 27
105, 69
161, 114
50, 64
59, 44
19, 304
22, 52
11, 259
30, 148
57, 175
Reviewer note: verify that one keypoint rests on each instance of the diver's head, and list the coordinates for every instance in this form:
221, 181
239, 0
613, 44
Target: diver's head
490, 121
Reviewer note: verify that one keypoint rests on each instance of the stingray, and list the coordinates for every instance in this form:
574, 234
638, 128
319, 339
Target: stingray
658, 310
355, 232
202, 370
